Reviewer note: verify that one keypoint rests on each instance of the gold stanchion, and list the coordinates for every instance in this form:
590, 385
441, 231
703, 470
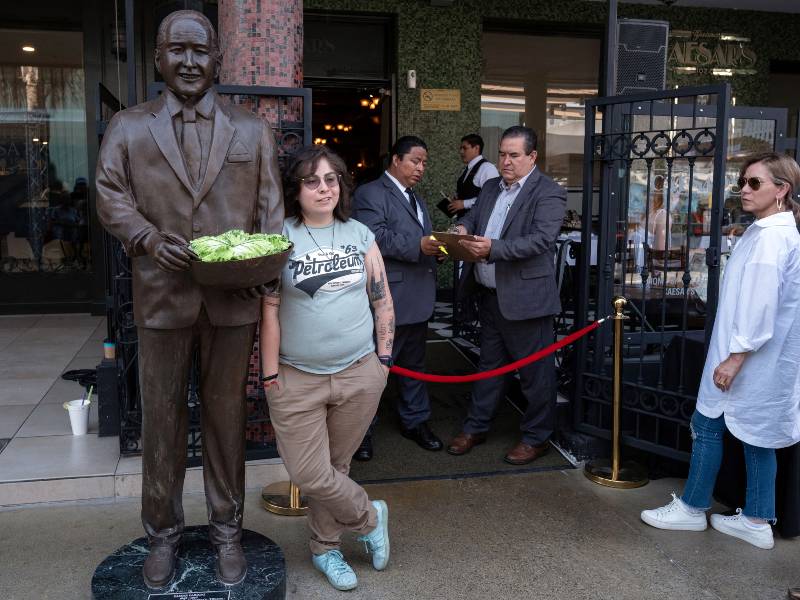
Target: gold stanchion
283, 498
613, 473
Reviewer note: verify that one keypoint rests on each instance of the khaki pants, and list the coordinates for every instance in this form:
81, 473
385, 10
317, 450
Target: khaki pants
319, 422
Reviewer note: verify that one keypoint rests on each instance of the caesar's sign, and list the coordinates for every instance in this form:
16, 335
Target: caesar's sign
716, 53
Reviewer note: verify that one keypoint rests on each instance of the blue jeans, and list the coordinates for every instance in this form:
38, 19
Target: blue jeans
706, 458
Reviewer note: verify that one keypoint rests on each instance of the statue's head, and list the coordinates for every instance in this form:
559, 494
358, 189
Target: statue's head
187, 53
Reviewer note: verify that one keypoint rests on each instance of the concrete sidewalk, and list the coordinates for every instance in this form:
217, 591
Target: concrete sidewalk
547, 536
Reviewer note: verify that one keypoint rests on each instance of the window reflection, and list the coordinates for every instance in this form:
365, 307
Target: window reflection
43, 159
520, 87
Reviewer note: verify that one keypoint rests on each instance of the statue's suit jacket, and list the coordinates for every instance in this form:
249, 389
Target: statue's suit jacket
143, 187
524, 254
381, 206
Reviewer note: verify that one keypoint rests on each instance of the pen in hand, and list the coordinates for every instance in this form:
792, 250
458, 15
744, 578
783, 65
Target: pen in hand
442, 249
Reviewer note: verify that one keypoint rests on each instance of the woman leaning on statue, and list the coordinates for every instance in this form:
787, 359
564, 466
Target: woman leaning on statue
323, 374
750, 384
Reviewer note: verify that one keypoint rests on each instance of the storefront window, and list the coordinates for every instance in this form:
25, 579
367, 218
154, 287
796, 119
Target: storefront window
519, 88
43, 155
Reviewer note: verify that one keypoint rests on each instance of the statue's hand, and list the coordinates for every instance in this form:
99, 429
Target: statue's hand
256, 292
170, 252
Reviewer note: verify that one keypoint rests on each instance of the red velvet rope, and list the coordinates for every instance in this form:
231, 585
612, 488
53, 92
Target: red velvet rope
501, 370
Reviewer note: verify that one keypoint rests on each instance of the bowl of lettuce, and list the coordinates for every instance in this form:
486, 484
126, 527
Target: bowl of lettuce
236, 260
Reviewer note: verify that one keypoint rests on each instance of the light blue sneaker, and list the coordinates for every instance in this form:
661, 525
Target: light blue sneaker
377, 540
339, 573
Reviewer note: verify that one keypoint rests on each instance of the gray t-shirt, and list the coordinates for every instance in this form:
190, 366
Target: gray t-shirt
326, 322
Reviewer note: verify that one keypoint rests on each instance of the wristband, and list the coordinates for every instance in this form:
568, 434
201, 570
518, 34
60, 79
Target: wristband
269, 378
386, 360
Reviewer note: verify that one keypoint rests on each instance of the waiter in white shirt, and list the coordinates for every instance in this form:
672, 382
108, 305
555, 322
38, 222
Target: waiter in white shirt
477, 172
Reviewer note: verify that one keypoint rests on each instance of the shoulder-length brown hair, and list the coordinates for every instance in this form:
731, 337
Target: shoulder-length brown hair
303, 163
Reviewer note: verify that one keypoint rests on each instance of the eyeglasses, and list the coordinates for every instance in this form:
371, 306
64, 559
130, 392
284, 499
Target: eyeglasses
755, 182
312, 181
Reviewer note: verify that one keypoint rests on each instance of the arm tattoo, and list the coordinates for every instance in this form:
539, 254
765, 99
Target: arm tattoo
377, 287
390, 336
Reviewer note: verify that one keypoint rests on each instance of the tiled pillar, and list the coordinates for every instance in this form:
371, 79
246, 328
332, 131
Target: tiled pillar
262, 44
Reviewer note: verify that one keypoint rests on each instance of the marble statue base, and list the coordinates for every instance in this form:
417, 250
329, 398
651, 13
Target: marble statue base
119, 577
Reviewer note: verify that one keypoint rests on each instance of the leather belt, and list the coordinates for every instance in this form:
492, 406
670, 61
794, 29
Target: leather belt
487, 290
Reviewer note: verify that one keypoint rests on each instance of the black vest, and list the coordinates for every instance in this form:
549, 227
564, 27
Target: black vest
465, 187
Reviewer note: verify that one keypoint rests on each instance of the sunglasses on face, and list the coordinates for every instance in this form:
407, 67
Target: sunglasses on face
312, 181
755, 182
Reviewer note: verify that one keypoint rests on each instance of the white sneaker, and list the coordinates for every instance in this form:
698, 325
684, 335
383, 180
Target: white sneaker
340, 575
675, 515
760, 535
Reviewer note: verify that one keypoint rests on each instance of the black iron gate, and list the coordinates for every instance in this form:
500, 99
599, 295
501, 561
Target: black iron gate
288, 111
662, 199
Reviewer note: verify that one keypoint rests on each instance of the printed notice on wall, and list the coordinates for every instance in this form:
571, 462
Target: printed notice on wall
439, 99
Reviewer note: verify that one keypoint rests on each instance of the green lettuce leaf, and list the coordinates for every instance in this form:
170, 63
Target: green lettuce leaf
238, 245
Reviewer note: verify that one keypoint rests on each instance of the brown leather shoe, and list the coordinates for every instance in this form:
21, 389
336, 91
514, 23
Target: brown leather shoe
523, 453
159, 566
463, 443
231, 563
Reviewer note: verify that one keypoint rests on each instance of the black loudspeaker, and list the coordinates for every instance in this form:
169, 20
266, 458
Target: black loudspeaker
641, 55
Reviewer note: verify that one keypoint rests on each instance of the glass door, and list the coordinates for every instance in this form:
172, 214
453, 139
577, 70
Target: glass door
45, 250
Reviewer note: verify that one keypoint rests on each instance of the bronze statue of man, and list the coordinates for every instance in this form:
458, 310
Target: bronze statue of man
176, 168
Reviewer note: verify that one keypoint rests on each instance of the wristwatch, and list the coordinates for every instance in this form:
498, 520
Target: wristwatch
386, 360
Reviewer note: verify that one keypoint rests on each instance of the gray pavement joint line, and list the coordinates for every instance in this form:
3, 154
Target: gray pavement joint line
21, 425
21, 332
74, 357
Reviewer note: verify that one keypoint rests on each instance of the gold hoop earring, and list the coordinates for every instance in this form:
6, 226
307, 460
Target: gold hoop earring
779, 202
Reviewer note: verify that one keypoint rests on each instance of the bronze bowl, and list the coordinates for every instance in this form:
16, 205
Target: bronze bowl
239, 274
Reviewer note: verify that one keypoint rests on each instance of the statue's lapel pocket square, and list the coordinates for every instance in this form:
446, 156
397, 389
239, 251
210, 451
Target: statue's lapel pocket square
239, 152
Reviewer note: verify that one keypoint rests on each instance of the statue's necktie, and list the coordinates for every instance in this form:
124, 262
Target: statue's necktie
192, 152
412, 199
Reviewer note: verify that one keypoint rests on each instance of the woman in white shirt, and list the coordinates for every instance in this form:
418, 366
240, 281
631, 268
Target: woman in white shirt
751, 380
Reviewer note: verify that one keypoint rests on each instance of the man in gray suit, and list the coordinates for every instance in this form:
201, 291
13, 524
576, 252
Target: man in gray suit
514, 226
399, 218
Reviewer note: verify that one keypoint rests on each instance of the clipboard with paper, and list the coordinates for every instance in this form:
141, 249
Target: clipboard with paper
450, 242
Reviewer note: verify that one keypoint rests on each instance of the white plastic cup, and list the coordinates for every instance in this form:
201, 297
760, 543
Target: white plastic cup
78, 415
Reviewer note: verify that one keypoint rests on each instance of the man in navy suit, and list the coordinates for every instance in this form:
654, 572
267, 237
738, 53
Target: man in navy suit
398, 216
514, 226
